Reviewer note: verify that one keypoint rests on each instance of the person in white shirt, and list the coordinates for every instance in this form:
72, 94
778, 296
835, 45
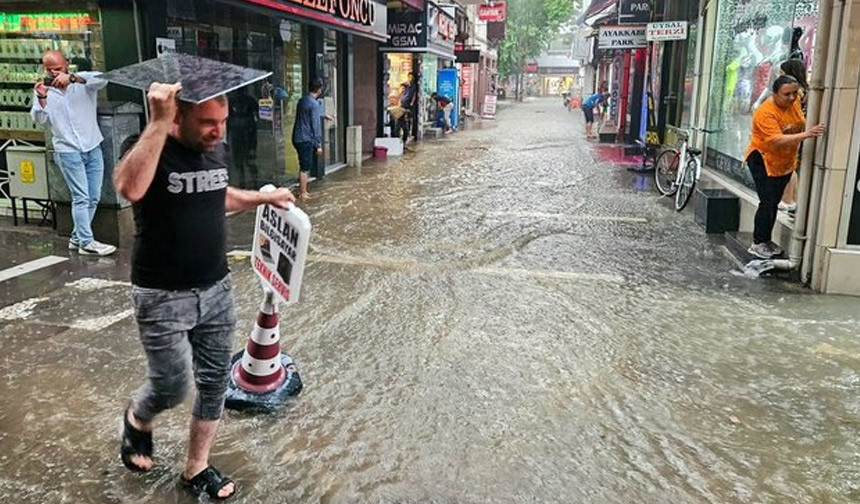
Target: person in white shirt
67, 103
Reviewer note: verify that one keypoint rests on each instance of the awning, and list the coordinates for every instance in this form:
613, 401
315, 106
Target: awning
596, 10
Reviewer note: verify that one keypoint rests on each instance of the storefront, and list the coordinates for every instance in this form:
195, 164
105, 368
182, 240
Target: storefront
672, 67
422, 41
295, 42
27, 31
753, 37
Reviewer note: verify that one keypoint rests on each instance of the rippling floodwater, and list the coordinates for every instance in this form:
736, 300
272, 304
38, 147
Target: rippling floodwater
500, 317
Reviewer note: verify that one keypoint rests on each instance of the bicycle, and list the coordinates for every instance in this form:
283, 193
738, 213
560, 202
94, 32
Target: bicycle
670, 180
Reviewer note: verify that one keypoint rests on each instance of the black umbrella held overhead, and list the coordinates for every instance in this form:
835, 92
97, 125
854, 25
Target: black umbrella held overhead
202, 79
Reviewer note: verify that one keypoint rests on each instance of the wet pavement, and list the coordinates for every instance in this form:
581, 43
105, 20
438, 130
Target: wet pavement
505, 315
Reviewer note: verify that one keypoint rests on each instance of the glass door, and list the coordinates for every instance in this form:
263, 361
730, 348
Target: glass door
334, 127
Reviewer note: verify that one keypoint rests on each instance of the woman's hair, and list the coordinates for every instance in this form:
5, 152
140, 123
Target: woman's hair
782, 80
796, 69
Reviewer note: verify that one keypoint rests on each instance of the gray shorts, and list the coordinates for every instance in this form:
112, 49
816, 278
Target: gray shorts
178, 328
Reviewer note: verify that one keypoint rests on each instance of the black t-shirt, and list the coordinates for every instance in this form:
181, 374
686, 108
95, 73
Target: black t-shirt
180, 239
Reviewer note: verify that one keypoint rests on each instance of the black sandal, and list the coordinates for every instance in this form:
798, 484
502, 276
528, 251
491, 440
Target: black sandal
208, 481
134, 442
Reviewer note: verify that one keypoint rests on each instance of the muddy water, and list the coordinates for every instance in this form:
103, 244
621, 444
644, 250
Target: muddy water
502, 316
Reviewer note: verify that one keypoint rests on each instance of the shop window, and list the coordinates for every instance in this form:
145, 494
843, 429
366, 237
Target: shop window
259, 130
753, 38
26, 32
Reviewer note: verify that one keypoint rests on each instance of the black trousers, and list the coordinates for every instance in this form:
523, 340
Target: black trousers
769, 191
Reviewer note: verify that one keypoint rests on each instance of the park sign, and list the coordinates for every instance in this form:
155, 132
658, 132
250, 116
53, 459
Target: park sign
666, 30
622, 37
634, 11
280, 249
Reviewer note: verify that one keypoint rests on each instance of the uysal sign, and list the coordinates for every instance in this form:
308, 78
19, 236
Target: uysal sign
667, 30
621, 37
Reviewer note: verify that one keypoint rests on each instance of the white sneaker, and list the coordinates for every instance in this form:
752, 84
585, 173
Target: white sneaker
776, 249
96, 248
73, 244
787, 207
761, 250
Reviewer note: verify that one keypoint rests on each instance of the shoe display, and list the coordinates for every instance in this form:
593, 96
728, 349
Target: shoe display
96, 248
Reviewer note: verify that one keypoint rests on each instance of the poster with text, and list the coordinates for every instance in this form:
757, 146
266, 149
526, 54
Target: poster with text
280, 250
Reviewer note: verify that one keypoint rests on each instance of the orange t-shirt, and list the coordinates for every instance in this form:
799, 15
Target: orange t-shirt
769, 122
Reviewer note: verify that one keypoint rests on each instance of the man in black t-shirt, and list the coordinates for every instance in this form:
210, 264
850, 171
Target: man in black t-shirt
175, 174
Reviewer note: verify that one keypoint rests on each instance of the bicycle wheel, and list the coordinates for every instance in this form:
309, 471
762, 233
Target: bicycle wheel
688, 183
665, 171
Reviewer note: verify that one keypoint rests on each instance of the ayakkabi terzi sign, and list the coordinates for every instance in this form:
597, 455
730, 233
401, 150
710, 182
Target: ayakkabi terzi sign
622, 37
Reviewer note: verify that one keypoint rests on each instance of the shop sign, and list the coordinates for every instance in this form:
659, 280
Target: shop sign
164, 46
489, 106
466, 73
280, 249
447, 84
667, 30
406, 30
468, 55
622, 37
615, 92
433, 31
266, 109
495, 11
558, 71
441, 28
365, 17
634, 11
531, 67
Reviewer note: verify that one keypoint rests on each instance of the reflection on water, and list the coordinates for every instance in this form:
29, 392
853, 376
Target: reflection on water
480, 322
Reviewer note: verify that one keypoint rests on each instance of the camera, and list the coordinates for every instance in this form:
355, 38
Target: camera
48, 81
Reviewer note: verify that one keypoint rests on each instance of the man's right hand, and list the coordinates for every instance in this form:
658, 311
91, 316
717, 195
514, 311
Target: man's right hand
319, 151
162, 102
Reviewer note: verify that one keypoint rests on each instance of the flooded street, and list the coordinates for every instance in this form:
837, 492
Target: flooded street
502, 316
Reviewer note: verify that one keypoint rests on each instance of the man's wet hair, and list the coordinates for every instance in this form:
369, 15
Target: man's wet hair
315, 85
185, 106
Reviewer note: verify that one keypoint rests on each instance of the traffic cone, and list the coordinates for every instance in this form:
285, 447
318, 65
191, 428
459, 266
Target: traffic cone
263, 377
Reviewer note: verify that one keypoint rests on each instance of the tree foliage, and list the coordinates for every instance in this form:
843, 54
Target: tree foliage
531, 25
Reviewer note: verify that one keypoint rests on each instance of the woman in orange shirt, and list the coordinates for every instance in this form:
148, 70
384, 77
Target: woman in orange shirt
777, 132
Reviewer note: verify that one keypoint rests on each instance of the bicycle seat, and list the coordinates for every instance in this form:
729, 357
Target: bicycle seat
695, 152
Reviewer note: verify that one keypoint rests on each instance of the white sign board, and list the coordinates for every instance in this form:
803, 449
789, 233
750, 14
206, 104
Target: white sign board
164, 46
622, 37
489, 106
280, 250
667, 30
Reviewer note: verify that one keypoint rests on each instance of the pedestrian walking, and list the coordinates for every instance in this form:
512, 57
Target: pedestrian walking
588, 106
777, 132
446, 105
307, 133
175, 174
66, 102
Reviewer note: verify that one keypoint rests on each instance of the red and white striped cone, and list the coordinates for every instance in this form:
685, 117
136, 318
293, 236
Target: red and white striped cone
263, 378
260, 369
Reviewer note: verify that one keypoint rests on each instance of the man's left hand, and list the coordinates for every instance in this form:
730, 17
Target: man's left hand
62, 80
280, 197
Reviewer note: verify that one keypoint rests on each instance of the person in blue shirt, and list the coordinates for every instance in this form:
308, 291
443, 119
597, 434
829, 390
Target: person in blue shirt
588, 109
66, 102
307, 133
